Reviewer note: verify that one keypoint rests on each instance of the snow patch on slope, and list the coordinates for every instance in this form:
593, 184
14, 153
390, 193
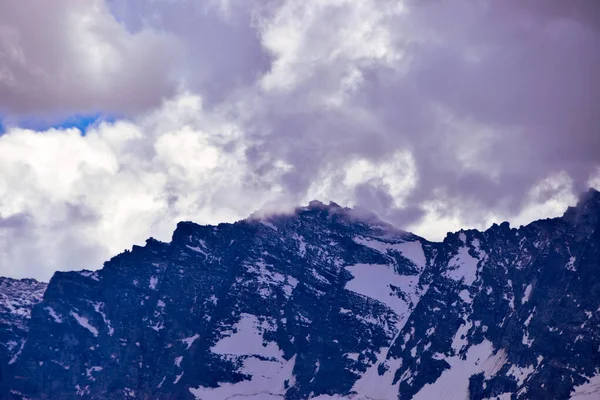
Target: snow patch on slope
454, 382
57, 318
462, 267
587, 391
375, 281
268, 279
84, 322
371, 385
263, 362
247, 339
98, 307
520, 373
527, 294
413, 251
196, 249
190, 340
153, 282
15, 357
267, 383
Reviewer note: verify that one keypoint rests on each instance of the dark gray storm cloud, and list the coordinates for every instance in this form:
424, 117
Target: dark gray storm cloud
66, 57
490, 98
223, 50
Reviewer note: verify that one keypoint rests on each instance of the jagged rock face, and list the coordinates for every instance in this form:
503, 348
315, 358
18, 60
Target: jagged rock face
326, 304
17, 298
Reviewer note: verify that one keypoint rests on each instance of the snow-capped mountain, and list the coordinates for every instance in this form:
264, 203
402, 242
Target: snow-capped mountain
323, 303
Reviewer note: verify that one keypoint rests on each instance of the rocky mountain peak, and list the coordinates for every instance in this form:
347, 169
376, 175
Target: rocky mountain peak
324, 303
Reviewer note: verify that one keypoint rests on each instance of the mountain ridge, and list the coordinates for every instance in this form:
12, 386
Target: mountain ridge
330, 304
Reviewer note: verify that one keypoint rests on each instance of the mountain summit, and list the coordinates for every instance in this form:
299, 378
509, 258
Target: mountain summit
323, 303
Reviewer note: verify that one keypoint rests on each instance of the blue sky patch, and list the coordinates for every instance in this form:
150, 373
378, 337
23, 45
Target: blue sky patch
82, 122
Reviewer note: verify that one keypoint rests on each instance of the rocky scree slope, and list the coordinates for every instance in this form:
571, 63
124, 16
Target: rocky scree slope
324, 303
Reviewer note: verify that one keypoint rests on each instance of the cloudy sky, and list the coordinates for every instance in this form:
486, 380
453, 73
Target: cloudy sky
119, 118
